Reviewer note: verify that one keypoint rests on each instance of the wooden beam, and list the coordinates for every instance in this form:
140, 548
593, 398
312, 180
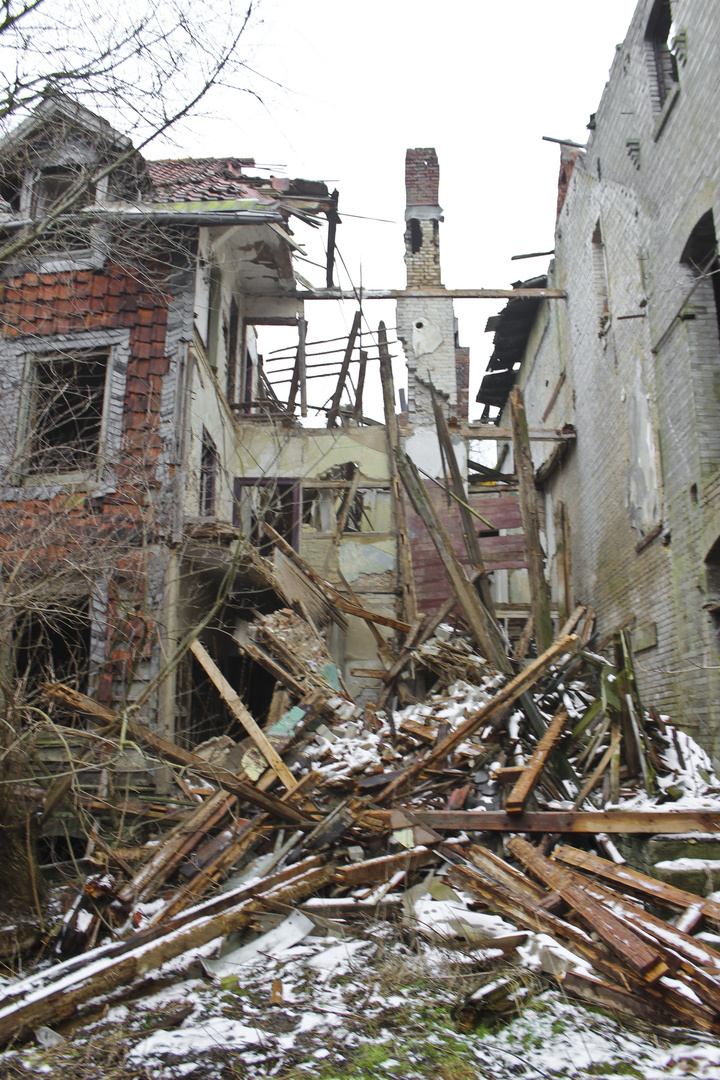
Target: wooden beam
494, 709
357, 410
472, 545
519, 795
170, 751
539, 592
490, 433
424, 293
334, 410
475, 614
647, 961
633, 881
233, 702
392, 430
647, 822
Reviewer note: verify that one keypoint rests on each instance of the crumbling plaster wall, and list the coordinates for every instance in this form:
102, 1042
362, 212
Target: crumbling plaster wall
368, 558
642, 386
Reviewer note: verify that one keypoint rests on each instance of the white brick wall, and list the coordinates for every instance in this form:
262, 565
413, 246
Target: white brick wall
647, 417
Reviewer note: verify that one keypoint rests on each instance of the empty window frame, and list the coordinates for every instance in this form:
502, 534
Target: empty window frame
701, 257
49, 189
209, 469
270, 501
65, 411
52, 642
662, 65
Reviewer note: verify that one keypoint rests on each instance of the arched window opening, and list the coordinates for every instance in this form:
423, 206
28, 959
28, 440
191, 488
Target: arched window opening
701, 258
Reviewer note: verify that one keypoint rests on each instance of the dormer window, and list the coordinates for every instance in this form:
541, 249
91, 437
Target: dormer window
50, 188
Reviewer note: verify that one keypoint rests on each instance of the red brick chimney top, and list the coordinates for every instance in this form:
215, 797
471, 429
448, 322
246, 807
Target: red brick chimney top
422, 177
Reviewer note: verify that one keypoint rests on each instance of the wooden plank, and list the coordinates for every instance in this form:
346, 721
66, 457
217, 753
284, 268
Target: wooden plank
643, 822
477, 617
505, 874
334, 410
647, 961
233, 702
615, 998
469, 528
357, 410
170, 751
370, 616
592, 780
669, 1001
523, 681
179, 843
695, 953
641, 884
425, 292
515, 802
63, 993
383, 868
539, 593
392, 430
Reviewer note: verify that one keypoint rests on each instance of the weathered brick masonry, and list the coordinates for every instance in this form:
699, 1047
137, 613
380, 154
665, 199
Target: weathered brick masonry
641, 355
111, 535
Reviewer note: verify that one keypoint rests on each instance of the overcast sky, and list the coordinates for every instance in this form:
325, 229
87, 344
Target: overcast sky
347, 88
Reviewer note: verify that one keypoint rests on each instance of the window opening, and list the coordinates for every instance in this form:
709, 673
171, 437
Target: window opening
66, 411
275, 502
701, 256
53, 645
662, 63
600, 282
209, 466
50, 187
416, 236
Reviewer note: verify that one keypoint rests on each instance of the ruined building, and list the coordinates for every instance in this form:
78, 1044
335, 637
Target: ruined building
633, 360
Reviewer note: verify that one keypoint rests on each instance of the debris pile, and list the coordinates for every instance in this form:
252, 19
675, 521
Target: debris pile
493, 810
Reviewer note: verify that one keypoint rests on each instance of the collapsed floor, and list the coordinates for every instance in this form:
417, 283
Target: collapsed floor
366, 892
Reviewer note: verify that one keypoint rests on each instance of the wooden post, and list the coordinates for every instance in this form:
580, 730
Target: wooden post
357, 411
238, 710
540, 597
562, 552
477, 617
334, 410
392, 429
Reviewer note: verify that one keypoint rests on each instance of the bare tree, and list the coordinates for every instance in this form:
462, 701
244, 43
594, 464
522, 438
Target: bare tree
146, 66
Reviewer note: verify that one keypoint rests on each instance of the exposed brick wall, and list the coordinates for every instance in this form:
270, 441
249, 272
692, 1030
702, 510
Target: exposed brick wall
422, 177
108, 535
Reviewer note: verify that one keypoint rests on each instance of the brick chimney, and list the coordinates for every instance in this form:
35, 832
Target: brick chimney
423, 216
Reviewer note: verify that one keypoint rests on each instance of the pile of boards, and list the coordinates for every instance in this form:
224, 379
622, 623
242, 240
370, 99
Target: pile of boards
341, 811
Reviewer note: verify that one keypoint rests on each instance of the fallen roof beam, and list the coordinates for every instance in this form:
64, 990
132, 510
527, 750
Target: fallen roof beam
649, 822
430, 294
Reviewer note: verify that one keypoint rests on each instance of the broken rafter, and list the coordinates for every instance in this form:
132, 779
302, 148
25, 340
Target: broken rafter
426, 293
647, 822
478, 619
170, 751
493, 711
337, 396
233, 702
531, 774
539, 593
